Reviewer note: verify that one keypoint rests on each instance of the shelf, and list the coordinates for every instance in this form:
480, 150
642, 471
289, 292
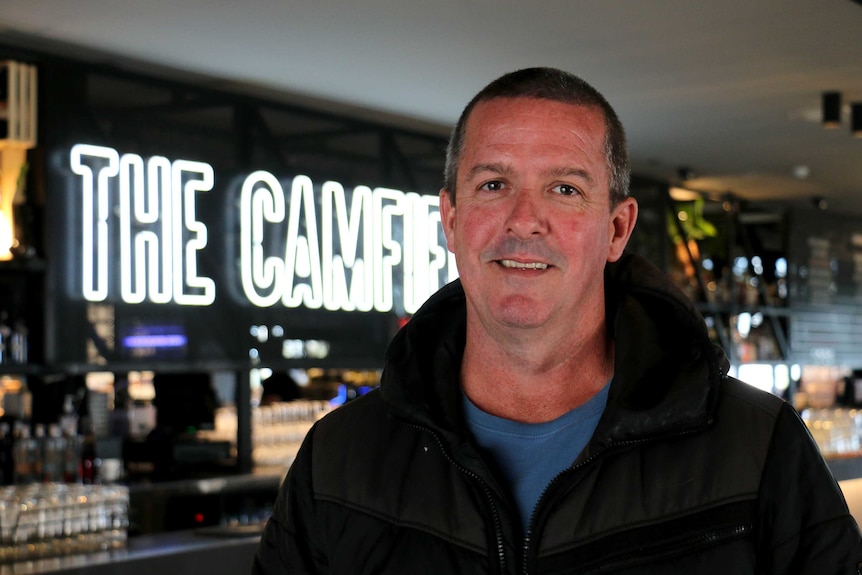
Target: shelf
77, 369
23, 370
731, 309
23, 265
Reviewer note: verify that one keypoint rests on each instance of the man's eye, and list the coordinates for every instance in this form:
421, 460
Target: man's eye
493, 186
566, 190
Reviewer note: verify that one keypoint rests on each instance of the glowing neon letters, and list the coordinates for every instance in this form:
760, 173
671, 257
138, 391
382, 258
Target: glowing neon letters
371, 249
158, 264
352, 259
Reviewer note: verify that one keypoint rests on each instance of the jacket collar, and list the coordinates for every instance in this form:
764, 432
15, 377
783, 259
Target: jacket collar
667, 371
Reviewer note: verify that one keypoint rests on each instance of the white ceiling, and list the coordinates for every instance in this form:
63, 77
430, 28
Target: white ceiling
729, 89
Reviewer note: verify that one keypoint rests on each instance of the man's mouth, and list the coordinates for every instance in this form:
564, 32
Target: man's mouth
512, 264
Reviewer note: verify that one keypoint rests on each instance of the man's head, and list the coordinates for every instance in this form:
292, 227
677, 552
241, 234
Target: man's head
535, 223
555, 85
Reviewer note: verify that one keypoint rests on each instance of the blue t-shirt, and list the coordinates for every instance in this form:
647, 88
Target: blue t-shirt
530, 455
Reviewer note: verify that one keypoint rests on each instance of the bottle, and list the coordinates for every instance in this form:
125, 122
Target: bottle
7, 460
90, 462
73, 442
24, 216
52, 455
36, 452
72, 459
18, 343
5, 338
69, 417
23, 453
4, 100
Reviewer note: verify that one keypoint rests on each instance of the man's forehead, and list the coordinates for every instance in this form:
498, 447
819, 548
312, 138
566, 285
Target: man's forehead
540, 120
587, 122
576, 109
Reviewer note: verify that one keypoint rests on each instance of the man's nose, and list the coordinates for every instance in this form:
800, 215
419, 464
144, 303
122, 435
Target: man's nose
526, 217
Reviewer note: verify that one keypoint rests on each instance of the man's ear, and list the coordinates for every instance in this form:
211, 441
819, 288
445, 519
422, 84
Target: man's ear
447, 217
623, 219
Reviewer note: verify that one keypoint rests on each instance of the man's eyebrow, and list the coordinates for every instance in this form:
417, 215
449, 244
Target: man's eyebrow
566, 171
494, 168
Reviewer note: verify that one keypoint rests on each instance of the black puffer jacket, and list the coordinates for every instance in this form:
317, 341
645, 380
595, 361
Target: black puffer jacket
689, 471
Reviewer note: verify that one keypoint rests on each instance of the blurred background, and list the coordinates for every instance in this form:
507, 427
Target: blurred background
215, 215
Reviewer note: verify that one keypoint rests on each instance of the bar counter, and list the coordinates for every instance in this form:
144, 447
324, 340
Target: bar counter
207, 550
155, 507
223, 549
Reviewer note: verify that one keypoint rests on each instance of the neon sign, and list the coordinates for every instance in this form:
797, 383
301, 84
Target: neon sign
298, 246
161, 265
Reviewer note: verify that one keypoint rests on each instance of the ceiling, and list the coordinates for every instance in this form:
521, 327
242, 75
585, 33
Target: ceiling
728, 90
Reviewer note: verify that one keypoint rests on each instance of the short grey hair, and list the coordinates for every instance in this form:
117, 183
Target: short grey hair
558, 86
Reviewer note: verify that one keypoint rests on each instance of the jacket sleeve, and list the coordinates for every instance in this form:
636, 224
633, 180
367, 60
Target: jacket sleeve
805, 525
290, 543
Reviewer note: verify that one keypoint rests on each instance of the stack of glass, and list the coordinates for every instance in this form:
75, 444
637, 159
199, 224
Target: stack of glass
837, 431
54, 519
278, 430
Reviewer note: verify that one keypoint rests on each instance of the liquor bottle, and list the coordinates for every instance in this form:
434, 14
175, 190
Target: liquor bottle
52, 455
23, 453
69, 418
5, 338
4, 101
7, 461
24, 214
36, 452
72, 459
18, 343
90, 462
73, 442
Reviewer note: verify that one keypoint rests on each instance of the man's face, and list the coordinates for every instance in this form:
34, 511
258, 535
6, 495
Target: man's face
532, 227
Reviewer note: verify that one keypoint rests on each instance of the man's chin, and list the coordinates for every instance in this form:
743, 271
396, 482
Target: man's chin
521, 313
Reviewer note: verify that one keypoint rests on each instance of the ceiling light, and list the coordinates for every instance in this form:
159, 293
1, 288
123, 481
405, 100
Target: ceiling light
856, 119
801, 172
683, 195
831, 109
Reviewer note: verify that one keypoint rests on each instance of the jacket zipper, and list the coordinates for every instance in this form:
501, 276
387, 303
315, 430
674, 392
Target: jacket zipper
486, 490
585, 462
707, 537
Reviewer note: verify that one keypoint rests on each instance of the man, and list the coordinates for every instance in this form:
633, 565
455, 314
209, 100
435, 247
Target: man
560, 408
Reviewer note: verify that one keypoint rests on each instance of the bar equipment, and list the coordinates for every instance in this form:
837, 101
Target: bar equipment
44, 520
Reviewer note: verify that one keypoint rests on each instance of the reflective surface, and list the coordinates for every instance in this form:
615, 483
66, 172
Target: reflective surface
54, 519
